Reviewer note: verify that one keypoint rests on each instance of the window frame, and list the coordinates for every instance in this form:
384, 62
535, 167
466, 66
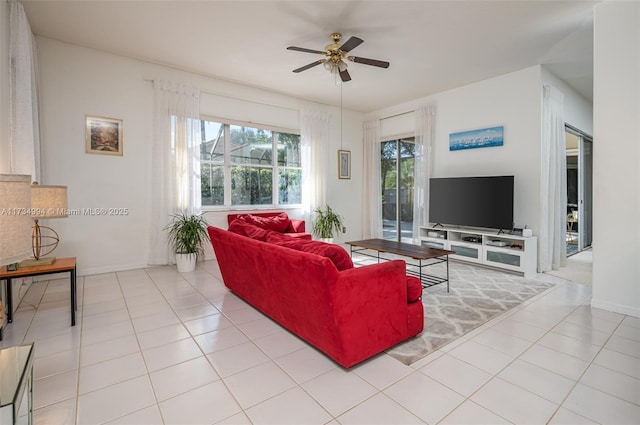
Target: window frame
227, 165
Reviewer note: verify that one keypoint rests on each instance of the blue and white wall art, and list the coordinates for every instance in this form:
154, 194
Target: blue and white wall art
482, 138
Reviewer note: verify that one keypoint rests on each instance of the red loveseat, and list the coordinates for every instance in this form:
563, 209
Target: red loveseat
276, 221
350, 314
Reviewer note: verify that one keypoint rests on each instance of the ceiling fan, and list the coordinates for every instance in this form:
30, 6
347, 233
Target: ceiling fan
336, 55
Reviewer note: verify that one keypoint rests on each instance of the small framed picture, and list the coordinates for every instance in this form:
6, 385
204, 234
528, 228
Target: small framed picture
103, 135
344, 164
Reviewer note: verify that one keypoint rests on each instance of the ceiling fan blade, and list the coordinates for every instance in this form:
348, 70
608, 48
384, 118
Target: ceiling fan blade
311, 65
373, 62
344, 76
351, 44
302, 49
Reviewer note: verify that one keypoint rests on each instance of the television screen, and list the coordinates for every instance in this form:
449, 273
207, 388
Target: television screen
472, 201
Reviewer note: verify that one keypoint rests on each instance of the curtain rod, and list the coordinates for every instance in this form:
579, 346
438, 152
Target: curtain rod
398, 114
228, 96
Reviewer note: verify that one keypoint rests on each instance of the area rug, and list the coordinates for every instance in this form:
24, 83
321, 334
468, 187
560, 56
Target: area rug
478, 294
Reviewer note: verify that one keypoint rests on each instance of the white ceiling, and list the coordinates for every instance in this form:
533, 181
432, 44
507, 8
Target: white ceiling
432, 45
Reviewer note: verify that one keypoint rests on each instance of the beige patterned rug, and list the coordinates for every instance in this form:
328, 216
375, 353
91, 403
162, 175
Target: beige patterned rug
478, 294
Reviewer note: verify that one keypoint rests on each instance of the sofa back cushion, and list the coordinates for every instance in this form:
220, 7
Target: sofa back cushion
243, 228
338, 256
278, 222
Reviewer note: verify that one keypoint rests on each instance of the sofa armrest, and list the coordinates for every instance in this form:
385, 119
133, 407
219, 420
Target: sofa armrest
297, 226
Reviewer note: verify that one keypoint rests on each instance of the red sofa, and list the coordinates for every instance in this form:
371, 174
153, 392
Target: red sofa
349, 314
277, 221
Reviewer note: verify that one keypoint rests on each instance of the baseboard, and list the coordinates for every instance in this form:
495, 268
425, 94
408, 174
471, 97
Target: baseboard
616, 308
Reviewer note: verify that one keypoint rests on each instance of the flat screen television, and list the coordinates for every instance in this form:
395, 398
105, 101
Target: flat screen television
472, 201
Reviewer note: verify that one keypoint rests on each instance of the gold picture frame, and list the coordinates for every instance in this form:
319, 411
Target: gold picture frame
103, 135
344, 164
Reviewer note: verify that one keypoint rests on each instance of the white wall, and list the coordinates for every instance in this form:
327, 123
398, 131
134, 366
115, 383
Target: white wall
616, 158
4, 87
578, 111
77, 81
513, 101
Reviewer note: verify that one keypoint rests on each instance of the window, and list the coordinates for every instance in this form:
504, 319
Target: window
238, 166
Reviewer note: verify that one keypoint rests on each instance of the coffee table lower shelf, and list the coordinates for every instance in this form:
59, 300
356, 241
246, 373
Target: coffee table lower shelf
425, 257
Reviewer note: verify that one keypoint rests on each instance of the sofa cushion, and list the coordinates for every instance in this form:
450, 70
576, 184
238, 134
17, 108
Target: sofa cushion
414, 289
338, 256
279, 223
243, 228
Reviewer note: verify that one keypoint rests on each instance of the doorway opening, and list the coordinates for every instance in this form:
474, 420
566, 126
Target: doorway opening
579, 147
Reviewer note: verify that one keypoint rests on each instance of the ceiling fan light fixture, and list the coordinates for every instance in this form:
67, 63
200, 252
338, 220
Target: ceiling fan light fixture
342, 66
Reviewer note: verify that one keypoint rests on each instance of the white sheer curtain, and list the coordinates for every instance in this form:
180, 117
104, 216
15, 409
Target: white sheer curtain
24, 124
314, 132
553, 190
371, 198
425, 133
175, 168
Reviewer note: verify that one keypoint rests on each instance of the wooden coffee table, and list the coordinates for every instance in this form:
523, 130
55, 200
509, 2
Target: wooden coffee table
426, 257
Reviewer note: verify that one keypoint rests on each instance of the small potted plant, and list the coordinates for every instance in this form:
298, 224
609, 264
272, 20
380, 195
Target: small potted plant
187, 235
327, 224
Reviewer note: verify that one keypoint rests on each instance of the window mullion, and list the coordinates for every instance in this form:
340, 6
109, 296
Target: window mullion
227, 165
275, 192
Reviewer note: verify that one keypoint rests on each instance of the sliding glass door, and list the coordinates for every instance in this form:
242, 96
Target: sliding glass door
397, 160
579, 149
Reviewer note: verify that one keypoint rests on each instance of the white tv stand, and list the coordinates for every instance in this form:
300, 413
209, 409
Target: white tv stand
503, 251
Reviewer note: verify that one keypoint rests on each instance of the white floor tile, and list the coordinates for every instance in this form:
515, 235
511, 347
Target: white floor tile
508, 344
339, 390
631, 321
260, 328
243, 315
291, 407
279, 344
305, 364
629, 332
382, 370
147, 416
154, 321
206, 324
204, 405
619, 362
555, 361
237, 358
624, 346
245, 388
471, 413
61, 413
520, 329
183, 377
54, 389
513, 403
162, 336
571, 346
115, 401
103, 374
613, 383
108, 350
537, 380
481, 356
220, 339
588, 335
237, 419
601, 407
565, 417
195, 312
53, 364
456, 374
378, 410
424, 397
171, 354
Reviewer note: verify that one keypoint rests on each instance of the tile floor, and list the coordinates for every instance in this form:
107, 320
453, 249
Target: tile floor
153, 346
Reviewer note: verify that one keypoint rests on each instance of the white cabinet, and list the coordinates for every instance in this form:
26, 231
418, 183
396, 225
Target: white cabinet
504, 251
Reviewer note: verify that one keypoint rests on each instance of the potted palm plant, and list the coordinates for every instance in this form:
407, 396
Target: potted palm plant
327, 224
187, 235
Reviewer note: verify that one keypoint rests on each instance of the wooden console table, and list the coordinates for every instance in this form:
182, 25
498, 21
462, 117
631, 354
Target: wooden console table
61, 265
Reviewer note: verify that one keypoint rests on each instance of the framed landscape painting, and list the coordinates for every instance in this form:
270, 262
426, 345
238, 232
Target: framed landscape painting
103, 135
344, 164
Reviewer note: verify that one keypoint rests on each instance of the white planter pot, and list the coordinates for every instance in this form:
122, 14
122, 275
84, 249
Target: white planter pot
327, 240
186, 262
